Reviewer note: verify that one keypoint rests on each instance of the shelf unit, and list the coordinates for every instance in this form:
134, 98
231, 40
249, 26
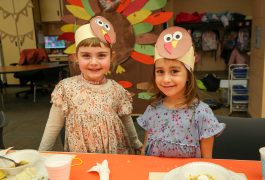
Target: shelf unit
214, 25
238, 75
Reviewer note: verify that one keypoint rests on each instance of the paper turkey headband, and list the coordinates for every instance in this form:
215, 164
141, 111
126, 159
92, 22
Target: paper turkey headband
98, 27
175, 43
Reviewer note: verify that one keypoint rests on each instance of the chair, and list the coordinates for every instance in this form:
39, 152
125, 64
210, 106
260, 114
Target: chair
241, 138
3, 123
31, 56
2, 89
50, 78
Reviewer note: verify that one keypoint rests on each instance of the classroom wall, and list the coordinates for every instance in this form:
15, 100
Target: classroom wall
257, 61
240, 6
208, 63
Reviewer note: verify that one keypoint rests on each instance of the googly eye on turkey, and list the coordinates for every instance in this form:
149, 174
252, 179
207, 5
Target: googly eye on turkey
177, 35
168, 38
99, 22
107, 27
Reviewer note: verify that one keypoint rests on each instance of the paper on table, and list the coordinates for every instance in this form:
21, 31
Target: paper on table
102, 169
156, 175
160, 175
5, 151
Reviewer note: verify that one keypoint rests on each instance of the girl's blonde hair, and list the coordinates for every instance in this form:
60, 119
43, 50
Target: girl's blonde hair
191, 91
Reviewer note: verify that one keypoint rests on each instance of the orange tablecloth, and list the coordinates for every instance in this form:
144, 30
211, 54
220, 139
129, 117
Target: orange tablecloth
133, 167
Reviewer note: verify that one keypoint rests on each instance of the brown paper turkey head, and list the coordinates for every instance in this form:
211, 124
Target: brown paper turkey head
103, 29
173, 42
125, 36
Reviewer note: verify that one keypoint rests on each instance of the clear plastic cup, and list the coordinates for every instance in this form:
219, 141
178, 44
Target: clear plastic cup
262, 157
58, 166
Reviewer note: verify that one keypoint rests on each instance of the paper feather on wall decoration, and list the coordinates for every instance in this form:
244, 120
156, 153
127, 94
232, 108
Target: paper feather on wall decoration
133, 21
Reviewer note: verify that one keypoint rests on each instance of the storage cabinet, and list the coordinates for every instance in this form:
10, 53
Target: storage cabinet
17, 31
225, 38
238, 87
51, 10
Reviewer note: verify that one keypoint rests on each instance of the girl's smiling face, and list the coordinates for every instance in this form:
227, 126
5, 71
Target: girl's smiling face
171, 77
94, 62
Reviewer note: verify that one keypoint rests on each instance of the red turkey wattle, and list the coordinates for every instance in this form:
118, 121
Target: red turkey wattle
107, 38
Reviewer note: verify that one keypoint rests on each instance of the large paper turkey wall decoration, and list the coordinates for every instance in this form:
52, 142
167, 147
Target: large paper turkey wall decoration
133, 21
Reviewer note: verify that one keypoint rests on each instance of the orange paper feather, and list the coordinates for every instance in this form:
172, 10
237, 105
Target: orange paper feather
125, 84
145, 59
159, 18
75, 2
123, 5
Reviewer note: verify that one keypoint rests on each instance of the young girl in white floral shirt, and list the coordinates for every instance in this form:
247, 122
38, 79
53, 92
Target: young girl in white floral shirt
95, 110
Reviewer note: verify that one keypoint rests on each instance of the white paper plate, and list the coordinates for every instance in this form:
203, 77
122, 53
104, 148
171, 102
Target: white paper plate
29, 155
199, 168
40, 168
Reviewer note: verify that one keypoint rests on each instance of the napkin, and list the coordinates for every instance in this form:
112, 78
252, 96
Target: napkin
102, 169
156, 175
5, 151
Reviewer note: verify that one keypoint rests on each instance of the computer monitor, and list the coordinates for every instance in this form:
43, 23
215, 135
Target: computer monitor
51, 42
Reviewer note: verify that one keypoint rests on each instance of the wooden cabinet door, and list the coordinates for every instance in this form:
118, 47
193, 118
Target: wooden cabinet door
51, 10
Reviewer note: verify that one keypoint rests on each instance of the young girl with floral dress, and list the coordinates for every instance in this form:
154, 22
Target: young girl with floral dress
177, 123
95, 110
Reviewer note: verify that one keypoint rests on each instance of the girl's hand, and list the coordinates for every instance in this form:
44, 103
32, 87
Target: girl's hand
207, 147
143, 151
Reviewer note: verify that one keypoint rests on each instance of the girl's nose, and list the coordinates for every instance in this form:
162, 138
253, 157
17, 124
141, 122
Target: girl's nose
167, 78
93, 60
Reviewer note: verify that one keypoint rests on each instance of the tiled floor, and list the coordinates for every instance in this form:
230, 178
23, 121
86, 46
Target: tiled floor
27, 119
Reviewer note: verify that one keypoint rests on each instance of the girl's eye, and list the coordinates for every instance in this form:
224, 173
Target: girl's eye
86, 56
174, 71
101, 56
159, 71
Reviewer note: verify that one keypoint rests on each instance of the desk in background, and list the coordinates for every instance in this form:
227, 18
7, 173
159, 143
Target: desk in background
132, 167
26, 68
33, 67
62, 58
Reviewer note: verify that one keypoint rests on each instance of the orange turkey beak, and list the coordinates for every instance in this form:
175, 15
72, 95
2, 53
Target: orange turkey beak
174, 44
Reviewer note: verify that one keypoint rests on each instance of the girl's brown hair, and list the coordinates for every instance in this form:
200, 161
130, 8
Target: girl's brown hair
91, 42
191, 92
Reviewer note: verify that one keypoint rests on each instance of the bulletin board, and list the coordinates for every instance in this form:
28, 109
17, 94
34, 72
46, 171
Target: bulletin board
137, 24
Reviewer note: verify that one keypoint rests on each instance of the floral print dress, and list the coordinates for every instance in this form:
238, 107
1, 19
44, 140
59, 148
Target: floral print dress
177, 132
92, 114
